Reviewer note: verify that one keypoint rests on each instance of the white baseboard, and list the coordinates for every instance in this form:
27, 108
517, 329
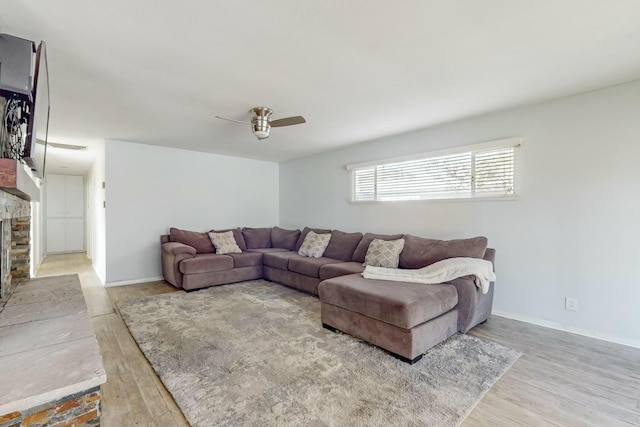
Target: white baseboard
133, 282
570, 329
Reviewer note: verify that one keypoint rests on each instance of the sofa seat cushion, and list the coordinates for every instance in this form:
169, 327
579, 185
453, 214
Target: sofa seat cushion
246, 259
328, 271
402, 304
279, 260
206, 263
309, 266
267, 250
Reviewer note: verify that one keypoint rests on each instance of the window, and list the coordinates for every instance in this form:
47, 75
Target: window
474, 171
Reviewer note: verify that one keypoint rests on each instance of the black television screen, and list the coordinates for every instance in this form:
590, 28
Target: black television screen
35, 144
16, 67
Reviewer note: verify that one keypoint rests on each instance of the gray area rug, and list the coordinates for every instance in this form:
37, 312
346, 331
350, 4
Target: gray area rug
255, 354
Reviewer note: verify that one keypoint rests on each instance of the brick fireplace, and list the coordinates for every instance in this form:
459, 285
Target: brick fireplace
15, 224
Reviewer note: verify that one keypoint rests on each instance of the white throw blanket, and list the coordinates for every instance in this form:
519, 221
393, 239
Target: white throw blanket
438, 272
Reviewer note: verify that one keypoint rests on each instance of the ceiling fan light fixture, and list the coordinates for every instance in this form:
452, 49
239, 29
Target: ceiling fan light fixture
260, 123
261, 134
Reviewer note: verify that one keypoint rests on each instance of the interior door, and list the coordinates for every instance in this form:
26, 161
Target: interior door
65, 213
56, 196
74, 234
56, 235
74, 192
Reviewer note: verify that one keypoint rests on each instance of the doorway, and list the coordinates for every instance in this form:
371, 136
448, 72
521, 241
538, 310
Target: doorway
65, 216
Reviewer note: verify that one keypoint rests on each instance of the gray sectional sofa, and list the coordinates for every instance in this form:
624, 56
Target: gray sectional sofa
406, 319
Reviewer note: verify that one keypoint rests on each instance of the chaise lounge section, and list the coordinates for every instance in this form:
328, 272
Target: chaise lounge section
406, 319
403, 318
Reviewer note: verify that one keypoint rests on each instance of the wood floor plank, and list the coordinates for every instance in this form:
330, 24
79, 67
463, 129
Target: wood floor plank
133, 395
561, 380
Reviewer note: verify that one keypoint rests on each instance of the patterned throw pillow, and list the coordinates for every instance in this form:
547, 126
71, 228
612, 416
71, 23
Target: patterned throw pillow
225, 243
383, 253
314, 244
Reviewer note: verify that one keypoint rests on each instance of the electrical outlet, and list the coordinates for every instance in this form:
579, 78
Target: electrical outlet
571, 304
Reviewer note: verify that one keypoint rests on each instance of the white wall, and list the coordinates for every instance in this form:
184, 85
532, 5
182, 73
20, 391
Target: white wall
37, 231
37, 235
575, 230
150, 189
96, 218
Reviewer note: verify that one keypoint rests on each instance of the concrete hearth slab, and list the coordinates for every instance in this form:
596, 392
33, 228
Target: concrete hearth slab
33, 335
33, 296
23, 313
45, 374
48, 348
45, 284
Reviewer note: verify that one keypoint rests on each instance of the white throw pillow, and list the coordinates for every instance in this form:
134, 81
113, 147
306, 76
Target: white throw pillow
384, 253
225, 243
314, 244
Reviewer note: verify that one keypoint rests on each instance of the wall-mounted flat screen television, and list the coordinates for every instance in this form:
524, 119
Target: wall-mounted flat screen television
25, 103
35, 147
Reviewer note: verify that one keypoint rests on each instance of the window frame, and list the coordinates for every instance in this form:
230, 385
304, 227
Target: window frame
512, 142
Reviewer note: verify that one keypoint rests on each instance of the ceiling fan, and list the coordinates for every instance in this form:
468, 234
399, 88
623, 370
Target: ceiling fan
261, 124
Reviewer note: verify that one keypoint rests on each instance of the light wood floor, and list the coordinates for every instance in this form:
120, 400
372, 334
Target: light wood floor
561, 380
133, 395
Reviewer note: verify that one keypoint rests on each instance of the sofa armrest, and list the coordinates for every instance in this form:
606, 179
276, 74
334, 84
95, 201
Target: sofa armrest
490, 255
175, 248
172, 254
474, 307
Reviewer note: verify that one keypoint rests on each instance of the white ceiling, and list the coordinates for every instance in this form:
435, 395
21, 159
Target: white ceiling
157, 72
72, 162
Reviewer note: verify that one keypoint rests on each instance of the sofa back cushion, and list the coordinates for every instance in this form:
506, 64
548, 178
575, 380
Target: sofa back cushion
342, 245
285, 239
361, 250
237, 234
419, 252
306, 231
257, 237
199, 241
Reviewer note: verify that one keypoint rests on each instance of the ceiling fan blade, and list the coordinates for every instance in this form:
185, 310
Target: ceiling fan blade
232, 120
287, 121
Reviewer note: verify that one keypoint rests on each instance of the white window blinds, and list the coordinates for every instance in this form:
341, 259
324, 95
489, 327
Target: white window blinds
481, 170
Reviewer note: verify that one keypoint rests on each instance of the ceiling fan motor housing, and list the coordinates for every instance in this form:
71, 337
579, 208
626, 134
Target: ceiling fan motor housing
260, 122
